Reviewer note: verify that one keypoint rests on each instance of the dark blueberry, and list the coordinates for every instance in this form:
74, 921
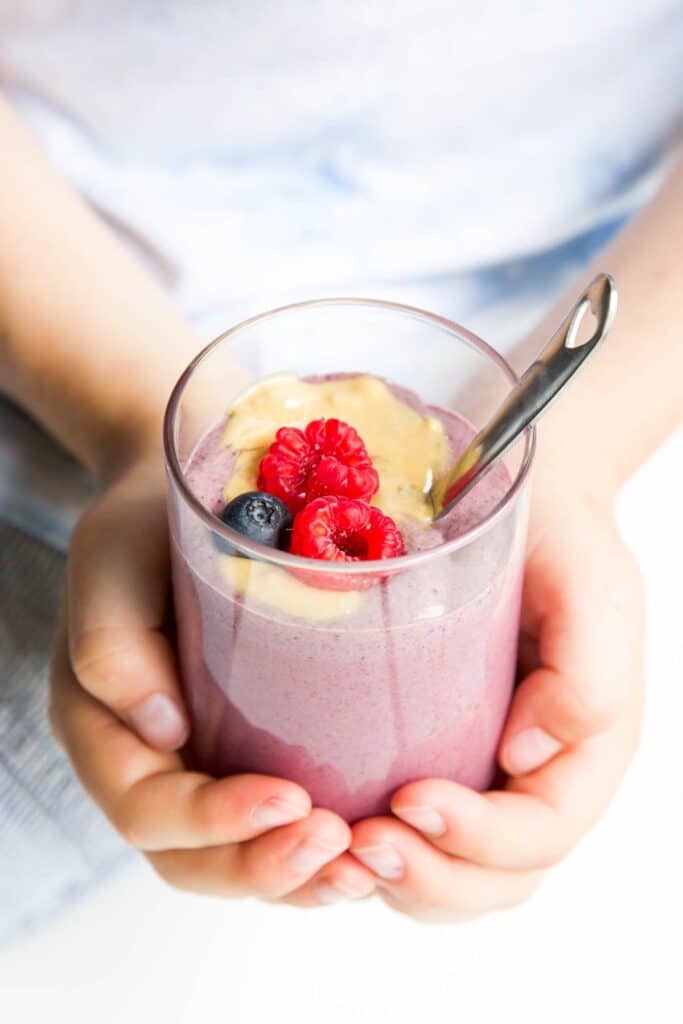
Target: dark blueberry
259, 516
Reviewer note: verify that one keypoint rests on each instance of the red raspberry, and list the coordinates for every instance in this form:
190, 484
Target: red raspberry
338, 529
328, 457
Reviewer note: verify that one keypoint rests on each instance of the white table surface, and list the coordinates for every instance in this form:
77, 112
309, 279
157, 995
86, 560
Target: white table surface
600, 941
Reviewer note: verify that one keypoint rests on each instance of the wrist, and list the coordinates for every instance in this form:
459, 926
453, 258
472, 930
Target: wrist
566, 472
124, 423
116, 451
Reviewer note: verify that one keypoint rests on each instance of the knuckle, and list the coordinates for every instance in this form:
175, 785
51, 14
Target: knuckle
167, 868
253, 876
400, 906
479, 843
587, 710
101, 662
600, 711
181, 870
213, 810
127, 824
253, 882
426, 894
298, 901
86, 657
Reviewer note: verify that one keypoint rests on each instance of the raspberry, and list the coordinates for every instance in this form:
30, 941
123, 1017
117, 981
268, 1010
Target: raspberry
338, 529
328, 457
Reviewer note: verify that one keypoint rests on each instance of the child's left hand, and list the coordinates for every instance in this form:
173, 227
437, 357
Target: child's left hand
572, 729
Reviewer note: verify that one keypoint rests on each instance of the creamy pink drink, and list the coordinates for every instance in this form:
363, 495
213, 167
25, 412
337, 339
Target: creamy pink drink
350, 692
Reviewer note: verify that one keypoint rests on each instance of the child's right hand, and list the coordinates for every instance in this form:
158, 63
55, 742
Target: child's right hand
117, 710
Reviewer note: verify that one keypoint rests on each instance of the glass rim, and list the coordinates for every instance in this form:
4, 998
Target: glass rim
384, 567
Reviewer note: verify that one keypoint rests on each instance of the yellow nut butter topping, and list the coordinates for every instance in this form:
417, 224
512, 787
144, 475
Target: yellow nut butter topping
408, 450
275, 587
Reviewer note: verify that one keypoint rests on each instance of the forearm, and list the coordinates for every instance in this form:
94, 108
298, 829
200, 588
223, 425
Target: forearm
631, 394
90, 345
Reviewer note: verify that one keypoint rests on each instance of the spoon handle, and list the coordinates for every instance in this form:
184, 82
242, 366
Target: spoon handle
533, 393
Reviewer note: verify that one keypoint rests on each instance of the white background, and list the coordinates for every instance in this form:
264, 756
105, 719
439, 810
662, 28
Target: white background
600, 941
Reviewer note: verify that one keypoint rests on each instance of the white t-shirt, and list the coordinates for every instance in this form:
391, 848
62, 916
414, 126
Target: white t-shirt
271, 147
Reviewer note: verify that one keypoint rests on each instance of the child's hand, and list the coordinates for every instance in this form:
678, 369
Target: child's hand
115, 698
572, 728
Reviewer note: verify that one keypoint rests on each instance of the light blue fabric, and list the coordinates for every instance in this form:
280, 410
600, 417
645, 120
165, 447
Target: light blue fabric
54, 844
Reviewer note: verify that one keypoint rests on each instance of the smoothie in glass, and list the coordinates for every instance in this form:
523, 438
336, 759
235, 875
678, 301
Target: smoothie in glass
349, 679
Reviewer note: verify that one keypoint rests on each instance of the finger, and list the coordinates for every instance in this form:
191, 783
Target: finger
270, 866
117, 593
273, 865
588, 620
189, 810
341, 880
538, 818
147, 795
495, 829
418, 875
549, 712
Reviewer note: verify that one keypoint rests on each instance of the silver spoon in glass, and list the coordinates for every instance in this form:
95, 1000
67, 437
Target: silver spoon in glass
537, 387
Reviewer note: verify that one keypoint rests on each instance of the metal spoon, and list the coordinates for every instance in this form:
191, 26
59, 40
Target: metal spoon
533, 393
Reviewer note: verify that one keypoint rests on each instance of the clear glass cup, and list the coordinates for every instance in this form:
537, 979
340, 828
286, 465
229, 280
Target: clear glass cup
357, 691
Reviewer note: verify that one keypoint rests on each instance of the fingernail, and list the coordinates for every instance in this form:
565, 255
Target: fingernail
384, 860
275, 812
159, 722
332, 892
529, 749
310, 855
424, 819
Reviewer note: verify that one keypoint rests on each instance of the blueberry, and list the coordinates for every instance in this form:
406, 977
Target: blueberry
258, 516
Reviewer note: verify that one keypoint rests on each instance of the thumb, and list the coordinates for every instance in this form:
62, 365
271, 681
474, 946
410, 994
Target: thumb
583, 603
117, 591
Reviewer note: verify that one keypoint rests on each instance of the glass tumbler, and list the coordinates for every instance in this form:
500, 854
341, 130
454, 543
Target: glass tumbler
350, 692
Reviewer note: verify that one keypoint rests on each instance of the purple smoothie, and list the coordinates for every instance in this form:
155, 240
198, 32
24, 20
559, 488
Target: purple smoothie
413, 683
